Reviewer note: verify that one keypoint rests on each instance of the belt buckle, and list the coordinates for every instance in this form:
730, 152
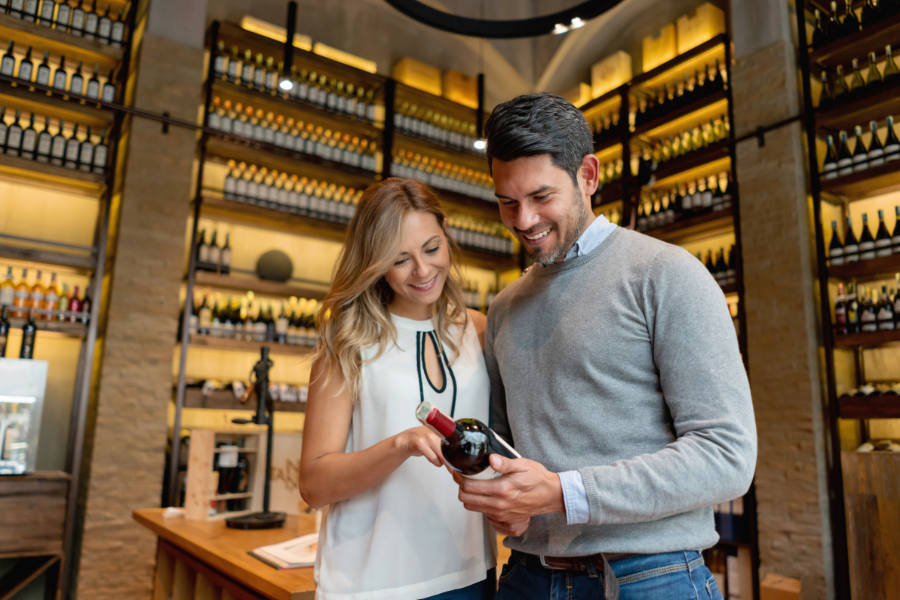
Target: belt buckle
551, 567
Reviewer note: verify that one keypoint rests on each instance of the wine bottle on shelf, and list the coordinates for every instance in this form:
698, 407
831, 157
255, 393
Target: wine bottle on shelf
866, 241
117, 30
895, 236
86, 153
891, 71
830, 166
868, 317
840, 84
850, 24
43, 70
202, 259
204, 317
833, 28
876, 148
860, 152
63, 16
29, 140
467, 443
7, 288
836, 247
93, 84
641, 218
225, 261
29, 331
214, 252
78, 15
60, 76
73, 146
48, 7
104, 27
852, 309
721, 273
58, 146
14, 135
4, 330
101, 151
851, 245
845, 159
4, 128
8, 62
871, 14
840, 311
91, 22
857, 83
873, 77
76, 84
882, 238
247, 69
74, 306
826, 97
820, 37
26, 67
891, 143
30, 11
885, 311
109, 89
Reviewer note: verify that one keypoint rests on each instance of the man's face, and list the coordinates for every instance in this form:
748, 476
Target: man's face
541, 205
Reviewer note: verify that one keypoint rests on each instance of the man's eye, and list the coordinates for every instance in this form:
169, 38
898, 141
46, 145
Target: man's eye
544, 197
508, 202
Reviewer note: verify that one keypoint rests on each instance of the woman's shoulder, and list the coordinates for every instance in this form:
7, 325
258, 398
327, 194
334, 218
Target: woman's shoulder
478, 321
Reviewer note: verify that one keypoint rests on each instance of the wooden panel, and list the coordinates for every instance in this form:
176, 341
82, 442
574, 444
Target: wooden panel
200, 461
259, 286
165, 575
183, 588
33, 514
224, 551
872, 501
24, 572
205, 589
275, 349
869, 407
224, 399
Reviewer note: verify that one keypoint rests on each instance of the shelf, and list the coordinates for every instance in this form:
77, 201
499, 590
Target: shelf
50, 176
433, 147
258, 286
60, 259
869, 407
867, 270
59, 43
278, 104
692, 160
665, 122
872, 339
729, 290
865, 184
611, 192
250, 215
489, 260
443, 105
600, 102
859, 110
610, 143
225, 400
235, 496
858, 45
695, 53
241, 149
212, 343
695, 228
65, 328
54, 105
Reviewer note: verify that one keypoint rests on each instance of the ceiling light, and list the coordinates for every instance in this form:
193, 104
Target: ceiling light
559, 28
480, 144
576, 23
286, 84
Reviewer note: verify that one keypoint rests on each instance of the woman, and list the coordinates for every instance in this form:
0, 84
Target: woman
394, 331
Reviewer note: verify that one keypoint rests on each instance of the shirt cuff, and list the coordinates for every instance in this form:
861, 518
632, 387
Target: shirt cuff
575, 497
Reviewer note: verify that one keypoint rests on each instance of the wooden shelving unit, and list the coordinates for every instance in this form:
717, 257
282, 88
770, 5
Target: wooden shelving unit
215, 343
74, 48
32, 172
65, 328
238, 282
864, 184
225, 400
687, 230
867, 270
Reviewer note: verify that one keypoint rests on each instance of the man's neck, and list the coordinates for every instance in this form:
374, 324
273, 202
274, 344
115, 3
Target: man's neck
587, 224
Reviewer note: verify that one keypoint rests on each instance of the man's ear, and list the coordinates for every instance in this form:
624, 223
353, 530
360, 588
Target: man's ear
589, 175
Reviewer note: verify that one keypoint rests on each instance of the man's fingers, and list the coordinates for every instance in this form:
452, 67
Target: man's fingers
487, 502
501, 464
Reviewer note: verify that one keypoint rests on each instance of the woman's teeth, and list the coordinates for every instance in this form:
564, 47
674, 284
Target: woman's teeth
426, 284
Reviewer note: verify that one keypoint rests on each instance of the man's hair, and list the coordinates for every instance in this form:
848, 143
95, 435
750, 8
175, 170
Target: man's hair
538, 124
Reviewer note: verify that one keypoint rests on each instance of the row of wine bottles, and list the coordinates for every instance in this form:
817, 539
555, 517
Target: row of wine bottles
212, 258
76, 20
291, 193
252, 320
56, 145
611, 171
29, 334
724, 272
866, 247
480, 235
95, 88
685, 201
50, 301
663, 101
280, 392
864, 310
834, 26
605, 127
309, 87
424, 122
874, 389
844, 162
443, 174
697, 138
293, 135
858, 86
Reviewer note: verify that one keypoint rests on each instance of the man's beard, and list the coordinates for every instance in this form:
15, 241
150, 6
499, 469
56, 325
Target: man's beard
547, 257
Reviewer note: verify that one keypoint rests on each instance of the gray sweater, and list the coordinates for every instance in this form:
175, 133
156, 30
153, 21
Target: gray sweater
624, 365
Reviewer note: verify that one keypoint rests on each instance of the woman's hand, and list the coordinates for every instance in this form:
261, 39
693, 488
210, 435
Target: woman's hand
420, 441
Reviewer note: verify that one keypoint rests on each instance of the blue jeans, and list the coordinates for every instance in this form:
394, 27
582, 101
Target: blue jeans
670, 576
483, 590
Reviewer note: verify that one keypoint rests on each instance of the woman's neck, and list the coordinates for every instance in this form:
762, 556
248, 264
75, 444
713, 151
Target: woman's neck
408, 310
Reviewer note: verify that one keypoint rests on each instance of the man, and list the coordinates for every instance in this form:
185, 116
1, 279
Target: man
615, 372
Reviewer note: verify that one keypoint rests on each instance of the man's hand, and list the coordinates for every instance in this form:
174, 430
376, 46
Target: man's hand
524, 490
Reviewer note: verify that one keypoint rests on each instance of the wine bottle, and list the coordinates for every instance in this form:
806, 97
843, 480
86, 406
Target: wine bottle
851, 245
281, 327
891, 143
891, 72
871, 14
104, 27
247, 69
873, 77
4, 330
882, 238
86, 153
30, 11
74, 306
78, 19
840, 311
60, 76
215, 253
830, 166
866, 241
826, 98
467, 443
76, 84
26, 67
820, 37
14, 135
29, 331
204, 317
101, 151
885, 311
833, 28
652, 217
670, 210
850, 24
58, 146
895, 236
840, 84
7, 288
8, 62
857, 83
641, 218
876, 148
73, 146
202, 258
93, 84
721, 272
860, 152
63, 15
48, 7
91, 22
836, 247
868, 318
225, 260
845, 159
852, 310
29, 140
109, 89
117, 30
43, 70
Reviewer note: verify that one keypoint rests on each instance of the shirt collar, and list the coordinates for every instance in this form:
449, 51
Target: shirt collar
592, 237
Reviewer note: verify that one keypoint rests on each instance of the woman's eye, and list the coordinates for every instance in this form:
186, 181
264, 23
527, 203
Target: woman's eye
400, 263
433, 250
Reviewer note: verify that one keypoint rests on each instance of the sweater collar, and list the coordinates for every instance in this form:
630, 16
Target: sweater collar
574, 263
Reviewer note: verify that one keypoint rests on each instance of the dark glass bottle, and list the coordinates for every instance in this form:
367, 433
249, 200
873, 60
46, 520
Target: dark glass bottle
873, 77
857, 83
826, 98
840, 311
836, 247
834, 29
467, 443
845, 159
850, 24
820, 36
840, 84
830, 166
4, 330
895, 236
721, 273
876, 148
866, 241
29, 332
871, 13
882, 238
891, 72
851, 245
885, 311
860, 152
852, 310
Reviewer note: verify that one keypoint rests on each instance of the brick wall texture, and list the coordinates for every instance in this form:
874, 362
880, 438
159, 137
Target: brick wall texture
782, 325
126, 468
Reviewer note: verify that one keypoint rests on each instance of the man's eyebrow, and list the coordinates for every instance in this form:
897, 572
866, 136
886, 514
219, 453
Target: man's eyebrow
431, 239
540, 190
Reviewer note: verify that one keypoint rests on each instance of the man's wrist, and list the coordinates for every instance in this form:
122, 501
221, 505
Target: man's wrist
558, 500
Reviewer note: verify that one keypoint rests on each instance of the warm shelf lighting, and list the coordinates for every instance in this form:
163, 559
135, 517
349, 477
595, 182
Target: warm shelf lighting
286, 84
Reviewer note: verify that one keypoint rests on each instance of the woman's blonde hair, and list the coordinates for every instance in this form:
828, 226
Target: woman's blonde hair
354, 314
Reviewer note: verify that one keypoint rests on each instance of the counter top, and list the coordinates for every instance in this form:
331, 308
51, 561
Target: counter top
225, 550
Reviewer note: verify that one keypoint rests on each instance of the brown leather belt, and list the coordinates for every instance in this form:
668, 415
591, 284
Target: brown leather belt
580, 563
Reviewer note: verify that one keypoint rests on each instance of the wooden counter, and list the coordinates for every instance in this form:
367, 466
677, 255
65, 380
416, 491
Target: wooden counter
208, 561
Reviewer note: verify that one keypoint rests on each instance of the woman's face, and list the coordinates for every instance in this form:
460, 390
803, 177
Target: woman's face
421, 268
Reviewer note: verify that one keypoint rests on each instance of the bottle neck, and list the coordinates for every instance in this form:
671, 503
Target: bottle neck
443, 424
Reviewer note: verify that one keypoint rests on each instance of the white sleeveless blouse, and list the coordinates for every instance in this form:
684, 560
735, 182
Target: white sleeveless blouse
409, 537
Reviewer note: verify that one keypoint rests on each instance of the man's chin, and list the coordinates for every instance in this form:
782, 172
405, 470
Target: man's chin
544, 257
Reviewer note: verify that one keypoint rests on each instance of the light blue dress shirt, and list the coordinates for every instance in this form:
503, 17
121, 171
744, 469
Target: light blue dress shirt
574, 495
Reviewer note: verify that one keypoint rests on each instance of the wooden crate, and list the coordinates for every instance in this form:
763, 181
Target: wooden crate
872, 505
33, 513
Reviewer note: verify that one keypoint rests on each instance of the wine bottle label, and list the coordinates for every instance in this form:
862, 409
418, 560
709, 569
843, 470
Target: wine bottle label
7, 65
228, 457
882, 252
77, 85
90, 25
59, 79
837, 260
86, 156
866, 246
117, 33
214, 254
104, 30
868, 255
25, 69
29, 139
14, 140
840, 315
43, 75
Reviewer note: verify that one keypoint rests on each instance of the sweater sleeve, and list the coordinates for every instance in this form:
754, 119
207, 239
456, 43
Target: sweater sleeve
707, 394
498, 416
